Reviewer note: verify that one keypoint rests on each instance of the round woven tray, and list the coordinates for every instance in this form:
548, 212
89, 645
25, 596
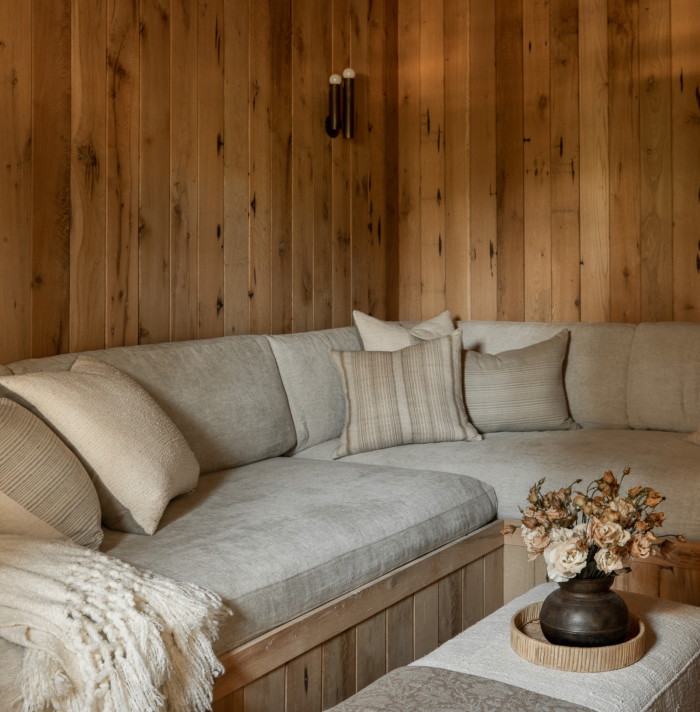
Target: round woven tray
528, 641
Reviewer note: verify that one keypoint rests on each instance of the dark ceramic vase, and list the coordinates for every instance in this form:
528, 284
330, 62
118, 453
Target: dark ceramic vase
584, 613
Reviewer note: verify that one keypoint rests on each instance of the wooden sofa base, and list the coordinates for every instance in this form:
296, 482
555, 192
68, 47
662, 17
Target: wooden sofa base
323, 657
676, 578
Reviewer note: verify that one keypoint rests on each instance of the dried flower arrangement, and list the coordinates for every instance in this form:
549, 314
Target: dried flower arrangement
593, 534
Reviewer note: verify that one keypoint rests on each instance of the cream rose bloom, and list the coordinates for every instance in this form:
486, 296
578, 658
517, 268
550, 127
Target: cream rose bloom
564, 559
607, 560
640, 546
536, 541
606, 534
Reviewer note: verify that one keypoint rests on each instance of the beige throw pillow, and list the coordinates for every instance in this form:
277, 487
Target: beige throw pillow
44, 490
378, 335
137, 458
519, 390
399, 397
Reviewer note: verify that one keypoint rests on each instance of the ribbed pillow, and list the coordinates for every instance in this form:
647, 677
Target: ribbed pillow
44, 490
137, 458
413, 395
378, 335
519, 390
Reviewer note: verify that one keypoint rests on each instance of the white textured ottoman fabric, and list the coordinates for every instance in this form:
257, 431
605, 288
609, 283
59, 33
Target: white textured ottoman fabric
666, 679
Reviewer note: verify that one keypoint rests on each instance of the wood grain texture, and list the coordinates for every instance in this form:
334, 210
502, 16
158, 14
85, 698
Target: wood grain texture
266, 694
399, 634
339, 668
425, 620
371, 649
450, 606
303, 682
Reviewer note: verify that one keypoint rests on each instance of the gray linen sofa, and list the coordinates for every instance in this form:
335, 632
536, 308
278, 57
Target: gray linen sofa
282, 531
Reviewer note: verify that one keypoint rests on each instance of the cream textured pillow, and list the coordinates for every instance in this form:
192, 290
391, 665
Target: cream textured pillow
413, 395
519, 390
378, 335
44, 490
137, 458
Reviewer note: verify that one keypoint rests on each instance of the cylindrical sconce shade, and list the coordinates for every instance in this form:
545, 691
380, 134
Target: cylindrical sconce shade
335, 119
349, 108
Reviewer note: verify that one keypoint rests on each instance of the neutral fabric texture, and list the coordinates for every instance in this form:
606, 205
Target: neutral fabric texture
225, 394
518, 390
4, 371
137, 458
312, 383
399, 397
597, 396
695, 437
278, 538
666, 678
663, 388
44, 490
103, 636
512, 462
425, 689
378, 335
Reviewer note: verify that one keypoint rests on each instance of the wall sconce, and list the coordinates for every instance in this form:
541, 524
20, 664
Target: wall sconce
341, 104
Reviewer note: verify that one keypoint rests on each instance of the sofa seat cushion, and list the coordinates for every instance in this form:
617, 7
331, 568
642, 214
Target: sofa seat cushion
278, 538
512, 462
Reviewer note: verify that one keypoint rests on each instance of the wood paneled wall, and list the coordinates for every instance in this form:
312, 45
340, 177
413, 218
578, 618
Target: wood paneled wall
549, 162
166, 173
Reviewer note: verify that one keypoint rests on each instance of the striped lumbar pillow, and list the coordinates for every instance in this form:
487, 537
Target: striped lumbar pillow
519, 390
44, 490
399, 397
378, 335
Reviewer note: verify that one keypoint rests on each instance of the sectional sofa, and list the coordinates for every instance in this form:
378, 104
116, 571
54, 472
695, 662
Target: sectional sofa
339, 569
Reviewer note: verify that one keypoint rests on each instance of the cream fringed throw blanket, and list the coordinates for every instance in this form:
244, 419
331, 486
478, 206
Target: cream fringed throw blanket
103, 636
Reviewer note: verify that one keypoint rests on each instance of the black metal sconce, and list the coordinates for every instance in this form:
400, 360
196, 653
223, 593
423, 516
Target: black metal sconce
341, 104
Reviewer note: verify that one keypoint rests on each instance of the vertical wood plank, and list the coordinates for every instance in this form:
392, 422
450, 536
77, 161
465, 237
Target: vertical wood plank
656, 170
450, 606
565, 202
685, 29
361, 236
302, 160
88, 168
509, 138
266, 694
519, 573
482, 181
322, 169
426, 617
399, 634
16, 179
432, 162
260, 287
210, 203
50, 211
154, 160
624, 160
378, 101
371, 650
341, 178
237, 217
594, 165
122, 167
682, 585
303, 682
230, 703
409, 168
537, 227
338, 668
184, 172
473, 593
281, 177
456, 157
493, 581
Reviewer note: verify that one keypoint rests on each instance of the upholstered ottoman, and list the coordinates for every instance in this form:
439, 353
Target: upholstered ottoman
478, 671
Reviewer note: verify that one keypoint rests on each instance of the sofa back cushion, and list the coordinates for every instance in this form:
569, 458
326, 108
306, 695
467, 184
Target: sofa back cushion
595, 370
663, 384
225, 395
312, 382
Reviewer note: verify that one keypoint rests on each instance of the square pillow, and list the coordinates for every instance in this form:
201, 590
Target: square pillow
413, 395
136, 456
519, 390
45, 492
378, 335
